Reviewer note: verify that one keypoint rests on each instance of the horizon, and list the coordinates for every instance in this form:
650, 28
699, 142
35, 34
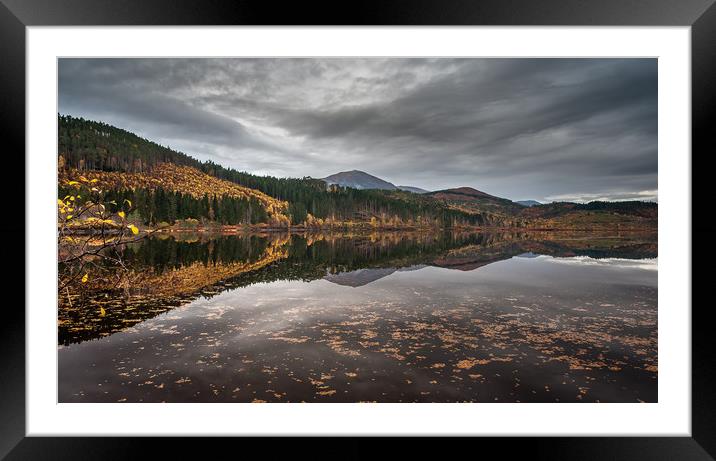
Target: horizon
548, 130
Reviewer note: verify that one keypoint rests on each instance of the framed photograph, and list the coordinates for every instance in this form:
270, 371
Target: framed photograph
425, 220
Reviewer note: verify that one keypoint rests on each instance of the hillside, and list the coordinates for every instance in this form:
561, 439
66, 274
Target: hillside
632, 215
474, 201
166, 185
86, 146
185, 181
592, 215
177, 178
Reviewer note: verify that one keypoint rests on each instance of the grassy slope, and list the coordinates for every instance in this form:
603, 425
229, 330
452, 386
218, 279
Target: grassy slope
179, 178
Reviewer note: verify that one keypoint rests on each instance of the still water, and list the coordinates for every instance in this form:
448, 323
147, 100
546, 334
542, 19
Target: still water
384, 317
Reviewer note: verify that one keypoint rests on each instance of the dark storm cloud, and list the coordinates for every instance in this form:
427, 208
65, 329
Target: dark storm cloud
547, 129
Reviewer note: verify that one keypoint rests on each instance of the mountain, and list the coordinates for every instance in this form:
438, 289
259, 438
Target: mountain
359, 180
415, 190
528, 202
472, 200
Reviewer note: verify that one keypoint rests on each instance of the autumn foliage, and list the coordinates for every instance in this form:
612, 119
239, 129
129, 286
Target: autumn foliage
182, 179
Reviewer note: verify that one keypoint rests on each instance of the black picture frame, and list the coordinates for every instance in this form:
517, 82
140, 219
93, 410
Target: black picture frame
700, 15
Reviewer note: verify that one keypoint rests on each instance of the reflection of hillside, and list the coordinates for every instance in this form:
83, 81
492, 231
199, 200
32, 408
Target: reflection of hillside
498, 248
150, 292
167, 272
471, 257
188, 279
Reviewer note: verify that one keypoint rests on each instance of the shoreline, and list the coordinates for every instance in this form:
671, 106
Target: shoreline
227, 229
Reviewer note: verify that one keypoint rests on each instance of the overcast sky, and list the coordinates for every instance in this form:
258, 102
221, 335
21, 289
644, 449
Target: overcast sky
544, 129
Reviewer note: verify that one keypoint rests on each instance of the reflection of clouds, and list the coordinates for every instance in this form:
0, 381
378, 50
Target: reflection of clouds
649, 264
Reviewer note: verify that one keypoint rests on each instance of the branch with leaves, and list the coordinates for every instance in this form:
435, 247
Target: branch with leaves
91, 234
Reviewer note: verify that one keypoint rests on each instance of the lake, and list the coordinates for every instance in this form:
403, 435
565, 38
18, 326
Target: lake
385, 317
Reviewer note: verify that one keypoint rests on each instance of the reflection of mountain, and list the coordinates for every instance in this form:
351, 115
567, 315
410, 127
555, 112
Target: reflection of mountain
167, 272
360, 277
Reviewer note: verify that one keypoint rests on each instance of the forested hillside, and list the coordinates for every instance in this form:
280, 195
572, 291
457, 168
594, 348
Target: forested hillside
131, 164
474, 201
168, 192
167, 185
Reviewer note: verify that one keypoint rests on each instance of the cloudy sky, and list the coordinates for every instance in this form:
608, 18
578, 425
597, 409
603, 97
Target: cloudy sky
544, 129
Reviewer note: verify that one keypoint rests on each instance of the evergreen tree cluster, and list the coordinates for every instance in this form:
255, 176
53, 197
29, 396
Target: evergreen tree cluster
152, 207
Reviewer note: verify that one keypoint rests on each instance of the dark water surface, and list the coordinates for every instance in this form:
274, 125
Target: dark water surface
386, 317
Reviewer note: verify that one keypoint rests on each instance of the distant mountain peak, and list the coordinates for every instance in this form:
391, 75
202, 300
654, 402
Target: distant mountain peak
359, 180
465, 190
528, 202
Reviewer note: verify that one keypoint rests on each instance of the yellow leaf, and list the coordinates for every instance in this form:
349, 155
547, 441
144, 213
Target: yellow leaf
129, 202
68, 217
82, 178
72, 183
121, 214
133, 228
102, 312
84, 278
93, 180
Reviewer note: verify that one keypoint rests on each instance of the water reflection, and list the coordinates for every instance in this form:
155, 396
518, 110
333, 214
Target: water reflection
389, 317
